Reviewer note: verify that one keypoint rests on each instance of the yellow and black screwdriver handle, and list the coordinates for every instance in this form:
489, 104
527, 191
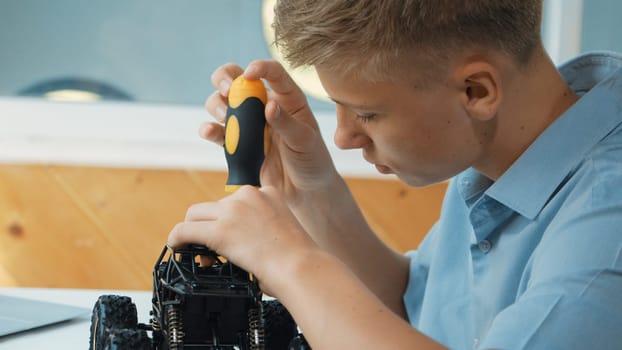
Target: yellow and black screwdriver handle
246, 132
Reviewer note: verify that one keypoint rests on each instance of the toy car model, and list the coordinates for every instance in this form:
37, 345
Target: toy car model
195, 306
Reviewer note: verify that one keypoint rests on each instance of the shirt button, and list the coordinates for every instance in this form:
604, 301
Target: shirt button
484, 246
475, 343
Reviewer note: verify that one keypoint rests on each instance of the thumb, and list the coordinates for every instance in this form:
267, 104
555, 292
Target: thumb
293, 131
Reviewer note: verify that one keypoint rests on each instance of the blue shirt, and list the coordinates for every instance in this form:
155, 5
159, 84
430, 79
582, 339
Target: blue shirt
534, 260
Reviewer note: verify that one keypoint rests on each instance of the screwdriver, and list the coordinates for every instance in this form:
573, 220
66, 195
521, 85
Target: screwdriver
246, 132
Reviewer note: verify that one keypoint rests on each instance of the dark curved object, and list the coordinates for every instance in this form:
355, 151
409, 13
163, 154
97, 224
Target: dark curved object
104, 90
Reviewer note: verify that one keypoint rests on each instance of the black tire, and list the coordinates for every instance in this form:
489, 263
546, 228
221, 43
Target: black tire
109, 313
128, 339
279, 326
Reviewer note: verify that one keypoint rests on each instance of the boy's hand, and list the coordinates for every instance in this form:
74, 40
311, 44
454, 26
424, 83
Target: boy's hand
254, 229
298, 160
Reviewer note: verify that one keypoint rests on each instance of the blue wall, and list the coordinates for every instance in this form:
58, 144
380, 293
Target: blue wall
156, 51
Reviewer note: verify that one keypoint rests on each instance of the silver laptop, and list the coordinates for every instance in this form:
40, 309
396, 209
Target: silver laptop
20, 314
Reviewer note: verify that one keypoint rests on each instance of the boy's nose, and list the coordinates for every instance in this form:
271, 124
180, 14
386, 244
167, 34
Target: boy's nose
349, 134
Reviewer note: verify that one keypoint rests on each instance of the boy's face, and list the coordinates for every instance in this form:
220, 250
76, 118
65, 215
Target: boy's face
423, 135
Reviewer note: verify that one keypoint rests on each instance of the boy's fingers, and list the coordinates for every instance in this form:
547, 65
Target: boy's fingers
293, 132
206, 260
205, 211
223, 76
213, 132
274, 73
282, 113
216, 105
189, 232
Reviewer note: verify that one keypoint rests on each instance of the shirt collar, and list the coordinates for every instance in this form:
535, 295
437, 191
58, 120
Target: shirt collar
529, 183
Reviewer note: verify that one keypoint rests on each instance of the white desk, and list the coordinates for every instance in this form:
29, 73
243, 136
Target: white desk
69, 335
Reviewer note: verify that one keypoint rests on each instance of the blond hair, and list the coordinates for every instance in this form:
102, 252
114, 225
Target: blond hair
380, 36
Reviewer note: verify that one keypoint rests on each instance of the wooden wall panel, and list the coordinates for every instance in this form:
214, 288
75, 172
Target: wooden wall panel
87, 227
399, 214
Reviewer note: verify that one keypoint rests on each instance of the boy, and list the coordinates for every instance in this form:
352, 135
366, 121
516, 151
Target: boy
527, 252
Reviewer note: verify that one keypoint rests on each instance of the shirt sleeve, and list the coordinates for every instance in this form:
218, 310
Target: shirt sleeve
573, 297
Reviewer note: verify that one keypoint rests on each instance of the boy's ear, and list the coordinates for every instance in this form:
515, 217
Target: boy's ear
480, 89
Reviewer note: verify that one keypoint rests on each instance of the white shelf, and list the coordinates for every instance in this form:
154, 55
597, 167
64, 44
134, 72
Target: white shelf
126, 135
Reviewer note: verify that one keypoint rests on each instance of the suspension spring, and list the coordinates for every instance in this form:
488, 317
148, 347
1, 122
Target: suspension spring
175, 327
255, 329
155, 324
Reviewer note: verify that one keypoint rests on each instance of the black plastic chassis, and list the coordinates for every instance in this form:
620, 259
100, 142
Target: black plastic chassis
212, 305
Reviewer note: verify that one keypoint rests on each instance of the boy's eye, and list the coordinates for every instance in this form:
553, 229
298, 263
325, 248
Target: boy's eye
365, 117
